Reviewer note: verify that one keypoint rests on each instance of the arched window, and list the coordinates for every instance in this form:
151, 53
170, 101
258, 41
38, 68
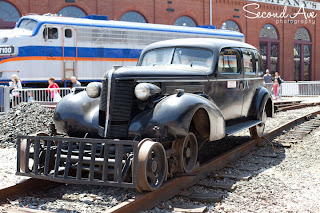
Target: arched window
71, 11
9, 15
302, 55
230, 25
132, 16
268, 31
185, 21
269, 48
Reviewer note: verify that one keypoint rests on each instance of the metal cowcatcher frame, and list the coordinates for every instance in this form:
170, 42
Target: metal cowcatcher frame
106, 162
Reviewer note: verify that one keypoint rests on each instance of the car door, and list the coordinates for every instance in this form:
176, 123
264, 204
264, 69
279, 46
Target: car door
228, 79
250, 80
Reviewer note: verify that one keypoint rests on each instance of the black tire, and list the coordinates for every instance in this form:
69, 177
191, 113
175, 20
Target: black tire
258, 130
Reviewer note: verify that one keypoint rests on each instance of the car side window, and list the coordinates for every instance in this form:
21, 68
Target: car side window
229, 62
258, 65
248, 62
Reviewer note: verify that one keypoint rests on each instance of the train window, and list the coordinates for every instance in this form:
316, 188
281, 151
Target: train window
68, 33
229, 62
50, 33
248, 62
28, 24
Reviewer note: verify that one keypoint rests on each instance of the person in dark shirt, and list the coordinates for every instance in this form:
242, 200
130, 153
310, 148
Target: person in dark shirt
280, 81
267, 80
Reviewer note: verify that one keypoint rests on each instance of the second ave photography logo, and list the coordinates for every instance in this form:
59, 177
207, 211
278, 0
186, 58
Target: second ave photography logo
299, 17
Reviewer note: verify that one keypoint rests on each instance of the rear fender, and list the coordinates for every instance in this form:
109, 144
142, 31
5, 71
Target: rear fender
173, 117
263, 100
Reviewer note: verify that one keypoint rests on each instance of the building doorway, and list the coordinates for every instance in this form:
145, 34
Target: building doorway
302, 55
269, 48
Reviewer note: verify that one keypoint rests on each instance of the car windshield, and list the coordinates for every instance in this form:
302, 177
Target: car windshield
193, 57
28, 24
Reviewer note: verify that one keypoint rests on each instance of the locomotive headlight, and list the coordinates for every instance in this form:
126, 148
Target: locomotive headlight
93, 89
144, 90
4, 40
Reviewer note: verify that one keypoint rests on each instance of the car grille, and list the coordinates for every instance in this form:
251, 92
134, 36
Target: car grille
103, 108
121, 97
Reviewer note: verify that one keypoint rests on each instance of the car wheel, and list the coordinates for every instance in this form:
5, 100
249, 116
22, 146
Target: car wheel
258, 130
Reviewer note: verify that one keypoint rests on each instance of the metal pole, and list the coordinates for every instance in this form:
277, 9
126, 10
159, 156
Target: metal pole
6, 99
210, 12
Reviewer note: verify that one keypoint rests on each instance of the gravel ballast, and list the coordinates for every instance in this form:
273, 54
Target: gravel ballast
25, 119
290, 183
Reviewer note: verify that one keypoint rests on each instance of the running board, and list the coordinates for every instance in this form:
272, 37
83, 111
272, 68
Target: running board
230, 130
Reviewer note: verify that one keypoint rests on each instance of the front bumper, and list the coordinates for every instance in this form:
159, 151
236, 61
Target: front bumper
78, 160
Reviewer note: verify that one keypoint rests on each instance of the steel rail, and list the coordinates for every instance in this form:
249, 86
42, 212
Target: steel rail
296, 106
25, 187
149, 200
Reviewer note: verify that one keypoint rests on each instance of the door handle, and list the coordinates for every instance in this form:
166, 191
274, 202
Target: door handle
245, 84
242, 84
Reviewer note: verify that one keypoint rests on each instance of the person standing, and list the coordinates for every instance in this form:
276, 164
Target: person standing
75, 82
267, 80
276, 88
280, 81
15, 83
53, 90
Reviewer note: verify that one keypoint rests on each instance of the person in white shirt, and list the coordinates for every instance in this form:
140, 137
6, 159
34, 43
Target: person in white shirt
15, 83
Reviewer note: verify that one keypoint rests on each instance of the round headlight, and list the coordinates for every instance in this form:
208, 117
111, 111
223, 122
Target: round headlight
4, 40
142, 91
93, 89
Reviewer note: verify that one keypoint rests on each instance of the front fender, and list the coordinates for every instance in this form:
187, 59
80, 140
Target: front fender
173, 116
77, 115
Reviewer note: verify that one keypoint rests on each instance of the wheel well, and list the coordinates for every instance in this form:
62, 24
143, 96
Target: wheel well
269, 108
200, 123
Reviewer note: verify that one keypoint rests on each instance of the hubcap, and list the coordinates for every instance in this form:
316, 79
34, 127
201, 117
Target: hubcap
187, 152
154, 166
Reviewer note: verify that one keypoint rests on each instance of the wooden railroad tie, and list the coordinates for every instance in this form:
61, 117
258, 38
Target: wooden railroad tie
233, 176
230, 187
205, 197
190, 208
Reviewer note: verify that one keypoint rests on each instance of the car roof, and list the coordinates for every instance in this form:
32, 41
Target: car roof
209, 43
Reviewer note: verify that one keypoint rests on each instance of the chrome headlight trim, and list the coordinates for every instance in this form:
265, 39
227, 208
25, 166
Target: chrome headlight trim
94, 89
144, 90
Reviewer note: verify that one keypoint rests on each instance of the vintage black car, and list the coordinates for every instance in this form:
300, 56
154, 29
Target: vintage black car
145, 123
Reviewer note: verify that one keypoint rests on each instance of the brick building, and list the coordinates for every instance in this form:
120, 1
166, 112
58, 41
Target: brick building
288, 44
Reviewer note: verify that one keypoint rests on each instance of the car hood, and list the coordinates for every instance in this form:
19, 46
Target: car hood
160, 72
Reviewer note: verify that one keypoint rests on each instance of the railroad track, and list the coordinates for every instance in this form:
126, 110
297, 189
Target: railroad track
291, 105
173, 187
177, 185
